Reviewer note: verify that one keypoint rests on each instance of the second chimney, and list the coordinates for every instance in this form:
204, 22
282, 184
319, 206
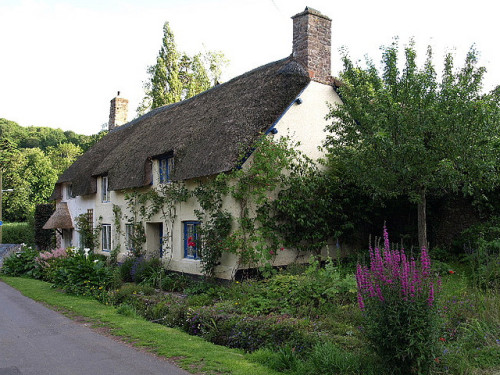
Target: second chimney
118, 112
312, 38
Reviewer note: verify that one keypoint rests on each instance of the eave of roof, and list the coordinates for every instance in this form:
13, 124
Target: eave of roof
206, 133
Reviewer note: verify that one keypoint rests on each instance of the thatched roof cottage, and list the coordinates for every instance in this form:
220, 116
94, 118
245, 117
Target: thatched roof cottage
202, 136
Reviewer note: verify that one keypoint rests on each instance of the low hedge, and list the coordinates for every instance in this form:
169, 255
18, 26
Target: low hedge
17, 233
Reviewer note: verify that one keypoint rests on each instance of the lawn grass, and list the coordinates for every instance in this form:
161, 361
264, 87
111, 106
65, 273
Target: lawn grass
190, 352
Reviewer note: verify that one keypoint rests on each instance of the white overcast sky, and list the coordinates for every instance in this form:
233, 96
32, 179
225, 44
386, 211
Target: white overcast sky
61, 61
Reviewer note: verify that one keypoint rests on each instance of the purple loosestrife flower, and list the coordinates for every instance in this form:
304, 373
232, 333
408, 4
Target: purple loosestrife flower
387, 246
392, 270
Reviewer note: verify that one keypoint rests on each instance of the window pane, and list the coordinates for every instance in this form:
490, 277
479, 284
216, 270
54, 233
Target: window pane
191, 242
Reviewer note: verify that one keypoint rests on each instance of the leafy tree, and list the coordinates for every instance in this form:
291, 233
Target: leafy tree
404, 133
63, 155
177, 76
33, 178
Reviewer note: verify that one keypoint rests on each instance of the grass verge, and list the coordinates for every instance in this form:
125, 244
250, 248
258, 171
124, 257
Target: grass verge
189, 352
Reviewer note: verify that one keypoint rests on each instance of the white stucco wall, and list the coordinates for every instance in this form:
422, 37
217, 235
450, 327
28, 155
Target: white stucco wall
77, 205
306, 122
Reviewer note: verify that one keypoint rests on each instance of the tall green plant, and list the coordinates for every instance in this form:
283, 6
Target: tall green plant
397, 296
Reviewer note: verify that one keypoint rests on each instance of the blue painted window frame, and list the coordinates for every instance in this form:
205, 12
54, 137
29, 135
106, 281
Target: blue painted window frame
191, 230
165, 166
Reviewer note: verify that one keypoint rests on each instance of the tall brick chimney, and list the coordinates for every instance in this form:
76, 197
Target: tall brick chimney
118, 112
312, 39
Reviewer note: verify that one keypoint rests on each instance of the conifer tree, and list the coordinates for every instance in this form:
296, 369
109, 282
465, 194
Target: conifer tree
177, 76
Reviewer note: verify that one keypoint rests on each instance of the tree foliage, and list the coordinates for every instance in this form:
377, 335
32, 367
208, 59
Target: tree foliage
31, 158
404, 132
177, 76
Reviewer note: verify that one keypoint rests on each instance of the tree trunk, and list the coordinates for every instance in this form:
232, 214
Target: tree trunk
422, 219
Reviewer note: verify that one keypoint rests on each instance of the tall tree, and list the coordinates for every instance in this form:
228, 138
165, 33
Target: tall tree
404, 133
177, 76
63, 155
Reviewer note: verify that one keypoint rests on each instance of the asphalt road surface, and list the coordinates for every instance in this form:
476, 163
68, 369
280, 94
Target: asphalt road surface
35, 340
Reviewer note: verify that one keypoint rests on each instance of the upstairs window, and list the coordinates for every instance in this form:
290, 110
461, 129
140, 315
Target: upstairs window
191, 240
69, 191
104, 189
165, 167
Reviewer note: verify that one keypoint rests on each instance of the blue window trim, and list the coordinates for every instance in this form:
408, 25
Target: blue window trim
165, 172
161, 240
195, 239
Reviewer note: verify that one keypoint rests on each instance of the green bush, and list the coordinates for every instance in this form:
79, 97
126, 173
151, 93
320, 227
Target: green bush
396, 295
128, 291
125, 270
81, 276
17, 233
174, 282
318, 290
244, 332
22, 264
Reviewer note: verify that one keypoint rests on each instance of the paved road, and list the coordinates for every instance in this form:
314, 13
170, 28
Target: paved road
37, 341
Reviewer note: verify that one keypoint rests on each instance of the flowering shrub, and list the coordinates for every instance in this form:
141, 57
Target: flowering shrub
52, 257
397, 296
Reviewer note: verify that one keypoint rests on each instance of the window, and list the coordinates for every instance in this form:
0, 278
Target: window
165, 166
67, 237
69, 191
106, 237
191, 240
104, 189
129, 237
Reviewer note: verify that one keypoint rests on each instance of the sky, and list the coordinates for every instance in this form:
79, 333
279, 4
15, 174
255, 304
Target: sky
62, 61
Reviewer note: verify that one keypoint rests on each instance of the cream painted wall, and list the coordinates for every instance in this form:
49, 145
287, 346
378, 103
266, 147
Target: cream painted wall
306, 122
77, 205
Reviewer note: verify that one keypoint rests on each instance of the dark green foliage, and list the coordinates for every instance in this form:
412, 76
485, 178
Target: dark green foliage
44, 238
244, 332
22, 264
78, 275
88, 235
314, 206
17, 233
480, 245
405, 336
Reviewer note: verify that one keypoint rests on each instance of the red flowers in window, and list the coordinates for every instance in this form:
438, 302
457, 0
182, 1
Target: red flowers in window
190, 242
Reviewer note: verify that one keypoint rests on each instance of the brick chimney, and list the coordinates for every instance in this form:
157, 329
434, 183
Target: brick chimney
118, 112
312, 44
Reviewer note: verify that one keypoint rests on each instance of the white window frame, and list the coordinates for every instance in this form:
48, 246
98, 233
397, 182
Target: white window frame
69, 191
104, 189
106, 237
129, 237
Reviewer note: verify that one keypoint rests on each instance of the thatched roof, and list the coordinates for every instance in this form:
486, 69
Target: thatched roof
60, 219
206, 133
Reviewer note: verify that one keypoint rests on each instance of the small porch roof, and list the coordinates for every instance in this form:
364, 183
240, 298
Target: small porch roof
60, 219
